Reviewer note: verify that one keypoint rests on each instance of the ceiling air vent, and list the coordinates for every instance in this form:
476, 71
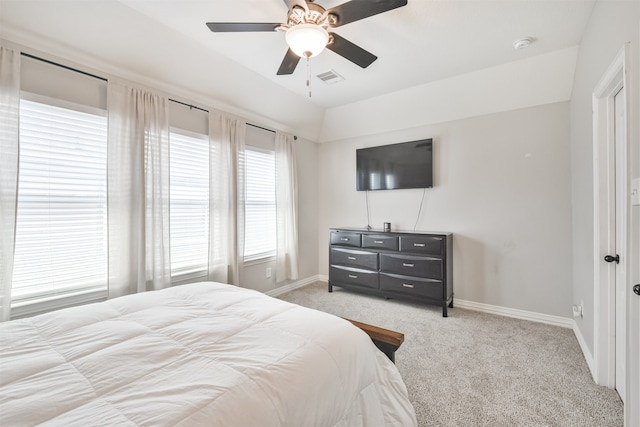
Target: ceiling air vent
330, 77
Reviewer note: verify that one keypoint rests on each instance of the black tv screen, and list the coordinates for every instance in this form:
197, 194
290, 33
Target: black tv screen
395, 166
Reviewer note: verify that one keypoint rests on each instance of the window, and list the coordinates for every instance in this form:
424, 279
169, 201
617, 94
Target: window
61, 228
189, 206
260, 206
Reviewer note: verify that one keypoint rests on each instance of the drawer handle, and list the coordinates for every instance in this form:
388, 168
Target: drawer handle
404, 264
345, 239
378, 242
407, 285
352, 258
353, 276
419, 245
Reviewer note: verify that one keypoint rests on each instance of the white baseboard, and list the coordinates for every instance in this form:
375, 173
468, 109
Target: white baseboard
293, 285
585, 351
564, 322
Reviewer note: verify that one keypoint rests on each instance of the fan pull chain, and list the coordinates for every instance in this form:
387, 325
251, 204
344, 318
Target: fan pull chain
309, 75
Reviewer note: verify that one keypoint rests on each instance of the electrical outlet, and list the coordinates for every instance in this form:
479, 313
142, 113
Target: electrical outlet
268, 273
635, 192
577, 310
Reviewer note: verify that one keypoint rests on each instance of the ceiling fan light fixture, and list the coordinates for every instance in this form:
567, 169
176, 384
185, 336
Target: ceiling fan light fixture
307, 40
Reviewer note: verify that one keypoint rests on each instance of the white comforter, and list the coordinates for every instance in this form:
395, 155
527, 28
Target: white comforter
201, 354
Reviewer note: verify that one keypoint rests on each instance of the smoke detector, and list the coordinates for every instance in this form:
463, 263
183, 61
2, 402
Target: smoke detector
522, 43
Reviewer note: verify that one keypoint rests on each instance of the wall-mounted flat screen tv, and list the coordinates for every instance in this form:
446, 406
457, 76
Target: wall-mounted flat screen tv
395, 166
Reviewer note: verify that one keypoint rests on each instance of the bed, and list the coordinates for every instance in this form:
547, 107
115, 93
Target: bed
205, 354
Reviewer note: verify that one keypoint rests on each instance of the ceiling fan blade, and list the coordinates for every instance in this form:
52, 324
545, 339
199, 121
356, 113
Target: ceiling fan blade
301, 3
239, 27
350, 51
289, 63
356, 10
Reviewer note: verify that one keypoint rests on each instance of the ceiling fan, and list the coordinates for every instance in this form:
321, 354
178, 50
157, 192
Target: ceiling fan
307, 29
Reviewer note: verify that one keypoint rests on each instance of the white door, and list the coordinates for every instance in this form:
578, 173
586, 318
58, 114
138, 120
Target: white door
632, 409
620, 288
615, 309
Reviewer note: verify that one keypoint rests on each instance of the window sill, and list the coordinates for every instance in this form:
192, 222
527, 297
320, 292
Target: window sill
28, 308
259, 259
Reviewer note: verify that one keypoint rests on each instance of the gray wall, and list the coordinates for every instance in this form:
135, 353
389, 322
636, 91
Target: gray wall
502, 186
612, 24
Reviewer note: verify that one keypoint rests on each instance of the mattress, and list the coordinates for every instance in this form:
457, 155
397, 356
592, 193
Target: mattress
205, 354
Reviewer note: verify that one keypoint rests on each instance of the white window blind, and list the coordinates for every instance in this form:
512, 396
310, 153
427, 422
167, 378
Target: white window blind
61, 229
189, 206
260, 206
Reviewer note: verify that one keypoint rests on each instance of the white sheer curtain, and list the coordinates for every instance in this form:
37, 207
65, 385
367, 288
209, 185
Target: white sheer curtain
227, 194
138, 190
286, 209
9, 161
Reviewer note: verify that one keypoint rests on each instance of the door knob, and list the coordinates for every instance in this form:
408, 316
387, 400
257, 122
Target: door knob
611, 258
636, 289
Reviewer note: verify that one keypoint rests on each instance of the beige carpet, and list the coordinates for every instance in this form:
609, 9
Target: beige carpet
477, 369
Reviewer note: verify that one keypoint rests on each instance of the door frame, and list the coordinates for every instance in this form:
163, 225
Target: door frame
616, 78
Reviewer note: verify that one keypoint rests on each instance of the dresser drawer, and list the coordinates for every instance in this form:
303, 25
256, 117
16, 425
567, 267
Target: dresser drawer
354, 258
345, 238
411, 286
389, 243
408, 265
353, 276
429, 245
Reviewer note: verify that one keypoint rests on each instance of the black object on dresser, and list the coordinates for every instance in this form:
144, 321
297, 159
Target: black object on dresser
415, 266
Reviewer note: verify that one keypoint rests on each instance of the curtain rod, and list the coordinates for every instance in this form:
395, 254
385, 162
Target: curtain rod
191, 107
295, 138
66, 67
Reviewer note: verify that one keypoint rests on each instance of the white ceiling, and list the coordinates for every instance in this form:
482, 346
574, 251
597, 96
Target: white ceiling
423, 42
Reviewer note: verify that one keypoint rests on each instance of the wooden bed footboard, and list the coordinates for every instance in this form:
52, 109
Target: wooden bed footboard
386, 340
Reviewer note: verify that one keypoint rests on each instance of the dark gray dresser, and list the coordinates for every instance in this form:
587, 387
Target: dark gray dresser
414, 266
